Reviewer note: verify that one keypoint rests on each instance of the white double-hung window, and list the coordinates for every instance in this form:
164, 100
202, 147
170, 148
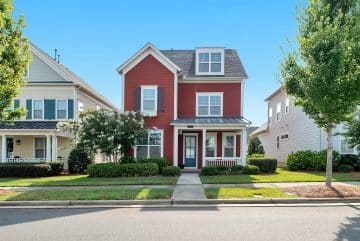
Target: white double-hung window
38, 109
270, 115
278, 111
149, 99
209, 104
61, 109
229, 143
151, 145
210, 61
287, 105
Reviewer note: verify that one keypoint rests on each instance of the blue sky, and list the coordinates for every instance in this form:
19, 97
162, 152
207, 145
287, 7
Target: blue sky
95, 37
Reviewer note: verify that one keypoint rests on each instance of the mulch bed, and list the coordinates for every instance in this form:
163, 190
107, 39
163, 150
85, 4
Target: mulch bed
4, 192
322, 191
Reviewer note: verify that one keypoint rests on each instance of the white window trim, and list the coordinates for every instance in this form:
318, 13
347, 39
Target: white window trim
342, 138
34, 146
67, 109
161, 131
208, 94
270, 115
214, 134
197, 149
284, 139
33, 109
83, 106
287, 105
147, 112
209, 51
224, 135
276, 115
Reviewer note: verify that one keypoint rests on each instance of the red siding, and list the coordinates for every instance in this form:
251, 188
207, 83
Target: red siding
187, 97
151, 72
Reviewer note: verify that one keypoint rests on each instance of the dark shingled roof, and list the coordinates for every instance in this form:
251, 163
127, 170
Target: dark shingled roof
210, 121
185, 59
30, 125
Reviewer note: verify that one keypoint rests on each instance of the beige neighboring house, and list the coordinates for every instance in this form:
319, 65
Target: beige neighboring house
289, 129
52, 93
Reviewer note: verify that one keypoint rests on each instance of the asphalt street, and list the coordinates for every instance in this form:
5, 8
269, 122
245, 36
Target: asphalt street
187, 223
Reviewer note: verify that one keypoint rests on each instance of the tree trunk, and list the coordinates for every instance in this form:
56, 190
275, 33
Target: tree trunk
329, 159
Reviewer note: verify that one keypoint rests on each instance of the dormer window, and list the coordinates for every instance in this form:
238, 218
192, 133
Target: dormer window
209, 61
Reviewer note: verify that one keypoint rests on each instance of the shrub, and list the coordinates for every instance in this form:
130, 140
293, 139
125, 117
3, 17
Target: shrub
25, 170
251, 170
345, 168
236, 169
160, 161
210, 171
56, 167
172, 171
78, 160
350, 159
123, 170
127, 160
310, 160
265, 164
223, 170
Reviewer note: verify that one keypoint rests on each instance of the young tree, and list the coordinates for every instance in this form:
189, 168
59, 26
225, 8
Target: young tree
352, 133
109, 132
15, 57
324, 74
255, 146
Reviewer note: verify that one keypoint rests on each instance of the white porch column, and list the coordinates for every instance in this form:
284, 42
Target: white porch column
203, 147
48, 149
243, 149
176, 147
3, 148
54, 148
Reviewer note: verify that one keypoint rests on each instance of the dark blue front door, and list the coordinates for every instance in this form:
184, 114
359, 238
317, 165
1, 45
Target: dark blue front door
190, 151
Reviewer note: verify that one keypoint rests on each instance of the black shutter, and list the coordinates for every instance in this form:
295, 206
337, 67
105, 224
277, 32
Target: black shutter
137, 99
160, 101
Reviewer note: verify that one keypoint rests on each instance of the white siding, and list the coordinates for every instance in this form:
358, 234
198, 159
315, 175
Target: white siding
303, 132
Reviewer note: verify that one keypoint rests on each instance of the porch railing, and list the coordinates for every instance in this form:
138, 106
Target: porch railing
223, 161
19, 160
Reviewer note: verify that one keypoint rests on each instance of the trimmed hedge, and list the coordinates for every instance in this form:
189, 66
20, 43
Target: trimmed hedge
127, 160
160, 161
351, 160
237, 169
221, 170
56, 167
345, 168
210, 171
123, 170
266, 165
25, 170
251, 170
172, 171
310, 160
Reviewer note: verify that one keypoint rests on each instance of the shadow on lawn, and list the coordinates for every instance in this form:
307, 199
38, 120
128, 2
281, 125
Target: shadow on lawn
350, 230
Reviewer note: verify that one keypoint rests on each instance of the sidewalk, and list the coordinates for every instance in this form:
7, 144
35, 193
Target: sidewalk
189, 187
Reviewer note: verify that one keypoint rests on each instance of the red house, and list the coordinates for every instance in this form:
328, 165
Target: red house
193, 100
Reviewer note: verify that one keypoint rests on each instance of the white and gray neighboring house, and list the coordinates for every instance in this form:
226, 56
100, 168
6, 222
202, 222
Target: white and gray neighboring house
52, 93
289, 129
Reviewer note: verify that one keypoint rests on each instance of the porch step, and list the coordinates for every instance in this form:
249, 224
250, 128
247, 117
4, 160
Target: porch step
191, 170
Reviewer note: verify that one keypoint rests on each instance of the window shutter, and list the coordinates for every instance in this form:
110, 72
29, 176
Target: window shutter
16, 103
29, 109
137, 100
49, 112
160, 101
70, 109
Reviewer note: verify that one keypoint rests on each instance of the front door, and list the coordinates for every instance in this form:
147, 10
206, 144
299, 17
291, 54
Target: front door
190, 151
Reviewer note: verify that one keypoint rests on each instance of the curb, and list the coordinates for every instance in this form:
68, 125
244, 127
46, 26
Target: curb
171, 203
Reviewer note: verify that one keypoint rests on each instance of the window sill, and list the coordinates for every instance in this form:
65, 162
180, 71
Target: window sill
149, 113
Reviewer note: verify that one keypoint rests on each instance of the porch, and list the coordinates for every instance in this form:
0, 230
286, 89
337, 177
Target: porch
200, 142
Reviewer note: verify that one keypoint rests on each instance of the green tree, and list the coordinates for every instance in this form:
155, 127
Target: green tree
109, 132
255, 146
15, 57
324, 73
352, 133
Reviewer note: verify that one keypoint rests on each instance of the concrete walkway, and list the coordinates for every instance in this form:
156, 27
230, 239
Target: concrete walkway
189, 187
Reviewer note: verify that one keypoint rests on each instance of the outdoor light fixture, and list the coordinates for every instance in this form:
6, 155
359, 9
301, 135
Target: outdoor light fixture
18, 142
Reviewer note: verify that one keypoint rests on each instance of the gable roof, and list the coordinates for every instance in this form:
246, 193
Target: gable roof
148, 49
185, 59
275, 93
68, 75
263, 128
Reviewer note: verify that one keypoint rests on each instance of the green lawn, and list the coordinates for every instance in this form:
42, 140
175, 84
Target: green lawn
227, 193
281, 175
83, 180
89, 194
